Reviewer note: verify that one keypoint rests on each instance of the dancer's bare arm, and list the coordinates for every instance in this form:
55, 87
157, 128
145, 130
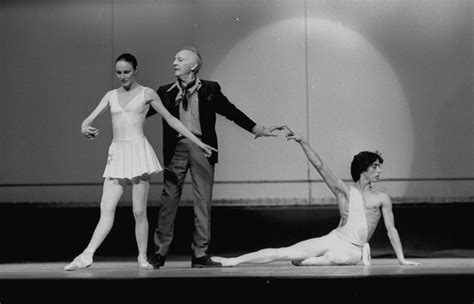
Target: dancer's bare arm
337, 186
156, 103
86, 129
392, 231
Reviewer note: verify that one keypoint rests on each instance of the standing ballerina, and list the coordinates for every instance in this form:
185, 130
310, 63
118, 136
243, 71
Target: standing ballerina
131, 157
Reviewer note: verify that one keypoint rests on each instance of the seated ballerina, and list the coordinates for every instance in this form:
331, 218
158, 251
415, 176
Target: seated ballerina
360, 206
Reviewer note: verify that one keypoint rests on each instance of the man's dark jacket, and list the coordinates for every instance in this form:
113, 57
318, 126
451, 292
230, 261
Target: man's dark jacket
211, 101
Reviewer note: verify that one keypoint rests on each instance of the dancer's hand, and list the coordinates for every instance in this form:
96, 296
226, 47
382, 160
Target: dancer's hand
89, 132
366, 258
409, 263
291, 135
208, 149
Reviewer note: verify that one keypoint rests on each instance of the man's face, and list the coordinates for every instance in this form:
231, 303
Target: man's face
372, 173
184, 63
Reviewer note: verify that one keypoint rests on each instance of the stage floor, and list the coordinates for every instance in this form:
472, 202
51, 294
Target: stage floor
439, 280
127, 269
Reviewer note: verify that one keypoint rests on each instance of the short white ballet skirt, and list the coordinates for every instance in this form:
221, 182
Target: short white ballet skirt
129, 158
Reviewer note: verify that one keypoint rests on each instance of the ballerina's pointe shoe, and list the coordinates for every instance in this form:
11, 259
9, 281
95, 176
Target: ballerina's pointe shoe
80, 262
143, 263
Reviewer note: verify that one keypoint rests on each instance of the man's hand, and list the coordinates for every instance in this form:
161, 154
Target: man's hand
261, 131
409, 263
89, 132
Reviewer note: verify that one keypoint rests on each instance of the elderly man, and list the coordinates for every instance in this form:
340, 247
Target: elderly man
195, 102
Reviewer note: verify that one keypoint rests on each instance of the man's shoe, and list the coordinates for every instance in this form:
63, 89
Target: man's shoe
204, 262
157, 260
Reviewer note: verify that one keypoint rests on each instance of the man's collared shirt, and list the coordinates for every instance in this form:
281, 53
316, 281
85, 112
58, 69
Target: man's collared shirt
190, 117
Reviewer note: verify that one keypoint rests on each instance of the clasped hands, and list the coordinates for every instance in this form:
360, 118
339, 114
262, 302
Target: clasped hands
261, 131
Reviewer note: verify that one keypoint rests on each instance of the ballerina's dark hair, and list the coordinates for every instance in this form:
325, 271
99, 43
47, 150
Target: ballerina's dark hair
128, 58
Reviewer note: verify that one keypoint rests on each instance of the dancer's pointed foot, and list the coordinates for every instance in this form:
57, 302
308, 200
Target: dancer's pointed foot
143, 263
225, 262
218, 259
84, 260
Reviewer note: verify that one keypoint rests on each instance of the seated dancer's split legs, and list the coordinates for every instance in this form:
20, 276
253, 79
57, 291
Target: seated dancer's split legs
297, 252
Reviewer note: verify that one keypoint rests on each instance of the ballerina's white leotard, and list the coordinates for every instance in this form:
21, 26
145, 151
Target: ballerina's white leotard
130, 153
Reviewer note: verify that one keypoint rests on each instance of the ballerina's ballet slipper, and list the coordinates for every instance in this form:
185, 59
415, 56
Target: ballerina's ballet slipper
143, 264
79, 262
